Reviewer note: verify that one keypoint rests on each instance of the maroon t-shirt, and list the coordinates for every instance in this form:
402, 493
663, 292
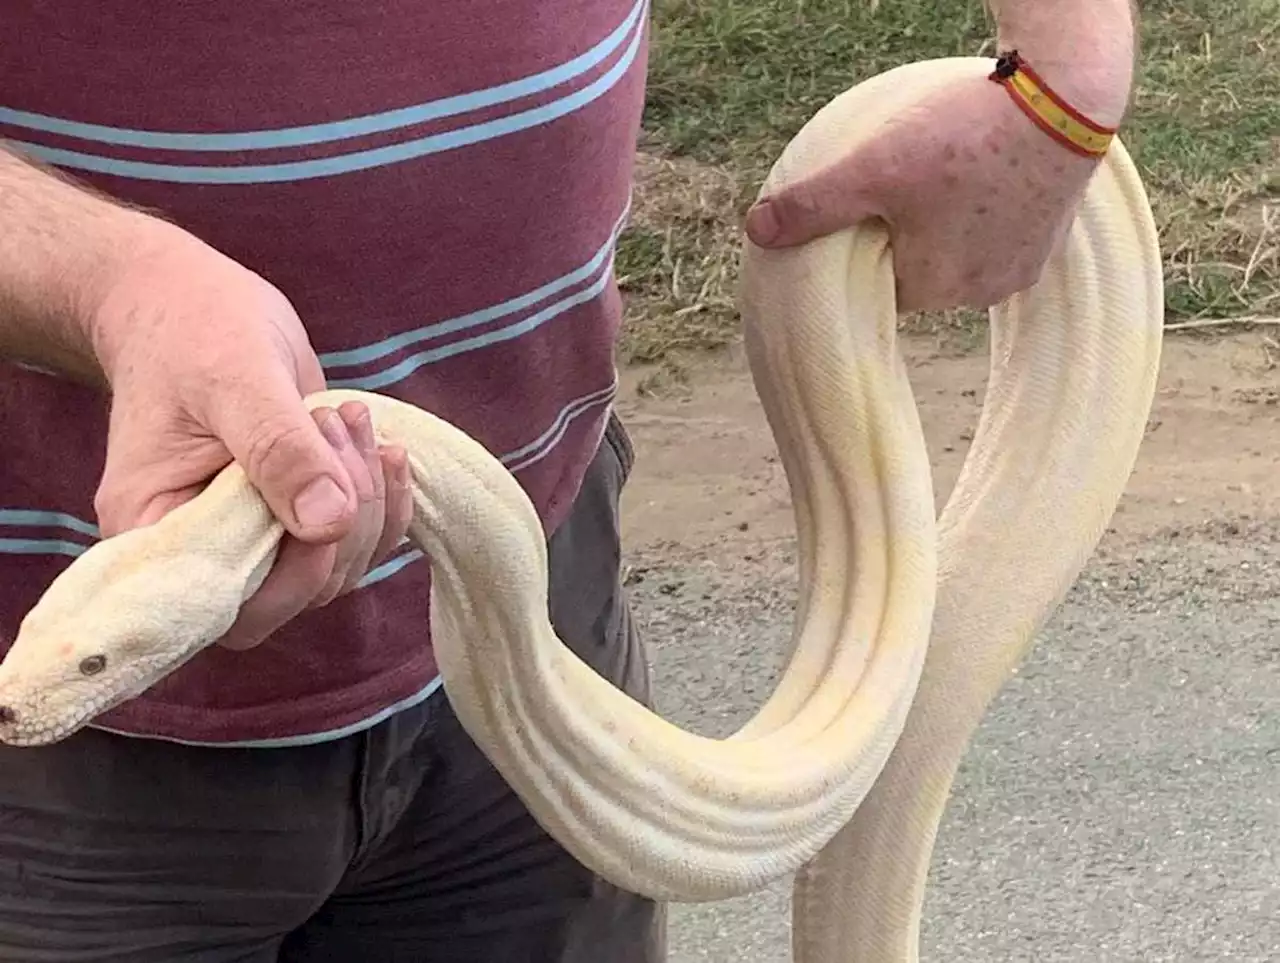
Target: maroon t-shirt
437, 187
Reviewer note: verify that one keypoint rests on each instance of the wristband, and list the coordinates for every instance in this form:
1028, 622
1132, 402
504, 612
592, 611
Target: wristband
1047, 110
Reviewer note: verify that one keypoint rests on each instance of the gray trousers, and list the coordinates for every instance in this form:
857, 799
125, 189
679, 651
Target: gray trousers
400, 844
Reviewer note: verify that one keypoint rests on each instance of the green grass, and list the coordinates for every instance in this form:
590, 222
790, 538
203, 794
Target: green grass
731, 81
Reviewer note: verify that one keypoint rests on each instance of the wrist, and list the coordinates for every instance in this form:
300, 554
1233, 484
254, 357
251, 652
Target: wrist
60, 244
130, 262
1083, 49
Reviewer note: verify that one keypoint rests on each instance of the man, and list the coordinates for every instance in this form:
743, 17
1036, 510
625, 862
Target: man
420, 199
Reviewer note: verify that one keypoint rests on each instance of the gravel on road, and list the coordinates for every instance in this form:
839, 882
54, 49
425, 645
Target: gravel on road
1121, 801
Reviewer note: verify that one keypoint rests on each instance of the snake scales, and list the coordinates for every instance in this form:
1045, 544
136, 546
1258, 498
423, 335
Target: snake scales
907, 624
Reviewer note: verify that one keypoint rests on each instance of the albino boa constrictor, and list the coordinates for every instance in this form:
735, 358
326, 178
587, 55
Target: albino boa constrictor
907, 624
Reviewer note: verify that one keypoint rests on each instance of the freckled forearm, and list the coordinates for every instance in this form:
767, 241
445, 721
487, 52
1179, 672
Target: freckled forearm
1085, 49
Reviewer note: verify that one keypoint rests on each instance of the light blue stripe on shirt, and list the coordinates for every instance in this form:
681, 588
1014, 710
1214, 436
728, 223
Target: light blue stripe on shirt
307, 739
335, 130
545, 443
24, 517
352, 357
40, 546
409, 365
348, 163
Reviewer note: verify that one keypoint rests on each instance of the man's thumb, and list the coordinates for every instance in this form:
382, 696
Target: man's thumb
831, 200
290, 456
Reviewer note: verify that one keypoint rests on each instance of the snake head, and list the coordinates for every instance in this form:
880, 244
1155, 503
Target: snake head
118, 619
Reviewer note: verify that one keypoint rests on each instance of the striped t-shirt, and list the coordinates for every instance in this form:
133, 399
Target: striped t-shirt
437, 187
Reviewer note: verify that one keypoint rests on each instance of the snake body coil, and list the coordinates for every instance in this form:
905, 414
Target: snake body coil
906, 626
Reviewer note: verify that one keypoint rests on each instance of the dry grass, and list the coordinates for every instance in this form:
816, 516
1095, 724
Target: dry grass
681, 260
731, 81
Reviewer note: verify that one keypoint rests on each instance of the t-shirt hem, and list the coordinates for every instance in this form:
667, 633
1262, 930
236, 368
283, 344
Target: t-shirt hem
324, 717
300, 739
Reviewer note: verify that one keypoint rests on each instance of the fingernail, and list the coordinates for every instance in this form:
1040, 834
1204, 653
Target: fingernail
762, 223
238, 643
396, 461
334, 431
363, 433
320, 504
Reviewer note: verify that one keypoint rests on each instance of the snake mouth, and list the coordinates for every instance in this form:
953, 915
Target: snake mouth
42, 718
39, 721
14, 731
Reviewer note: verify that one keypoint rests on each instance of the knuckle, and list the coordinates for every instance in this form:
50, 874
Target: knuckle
380, 478
241, 640
300, 575
331, 591
313, 579
112, 506
368, 482
799, 209
271, 445
1014, 282
104, 506
1025, 276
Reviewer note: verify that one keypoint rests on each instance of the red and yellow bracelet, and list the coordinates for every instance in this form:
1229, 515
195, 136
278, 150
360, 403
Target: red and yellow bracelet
1047, 110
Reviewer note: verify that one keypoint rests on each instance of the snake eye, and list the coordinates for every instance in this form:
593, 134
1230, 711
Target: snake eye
93, 664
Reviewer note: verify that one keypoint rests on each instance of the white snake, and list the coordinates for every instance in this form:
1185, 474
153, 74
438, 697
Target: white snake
907, 625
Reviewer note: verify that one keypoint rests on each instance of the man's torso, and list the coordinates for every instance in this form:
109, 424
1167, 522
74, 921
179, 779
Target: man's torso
436, 187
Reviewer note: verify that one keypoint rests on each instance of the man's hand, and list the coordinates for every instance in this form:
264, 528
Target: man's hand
208, 362
974, 195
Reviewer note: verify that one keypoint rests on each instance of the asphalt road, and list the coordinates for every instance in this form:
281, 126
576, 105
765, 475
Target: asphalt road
1121, 801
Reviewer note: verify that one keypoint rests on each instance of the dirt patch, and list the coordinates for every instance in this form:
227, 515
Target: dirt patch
708, 484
